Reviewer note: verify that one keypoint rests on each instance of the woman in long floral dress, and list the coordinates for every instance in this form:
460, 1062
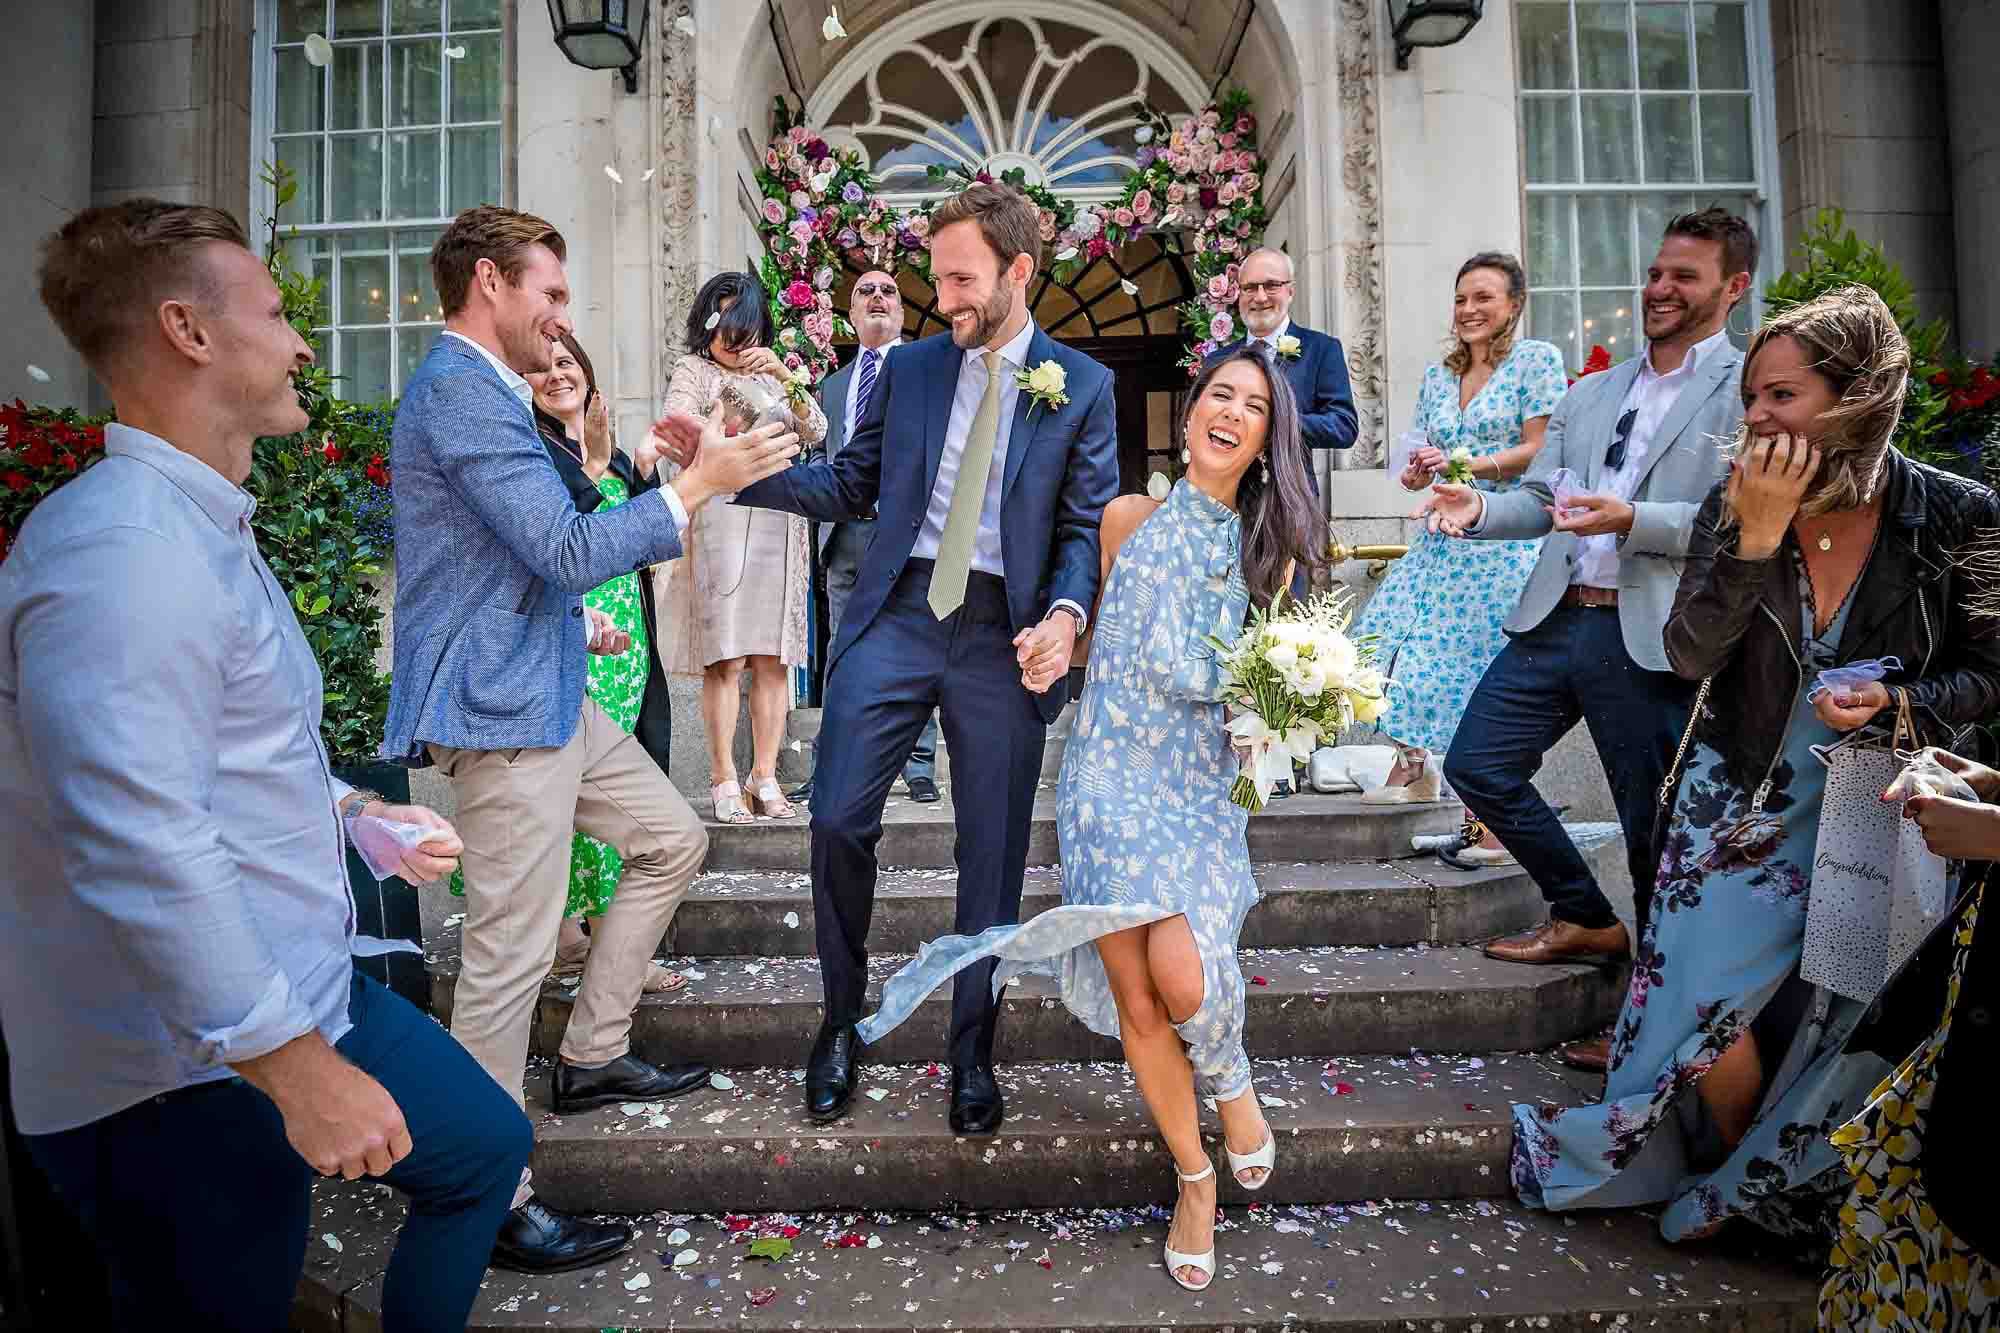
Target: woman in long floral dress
1155, 862
1728, 1071
1437, 616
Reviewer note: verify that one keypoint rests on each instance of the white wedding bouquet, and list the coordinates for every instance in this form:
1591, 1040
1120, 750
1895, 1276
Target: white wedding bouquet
1293, 681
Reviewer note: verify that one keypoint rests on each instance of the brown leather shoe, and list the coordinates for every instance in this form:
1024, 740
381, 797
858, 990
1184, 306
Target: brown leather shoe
1592, 1055
1563, 942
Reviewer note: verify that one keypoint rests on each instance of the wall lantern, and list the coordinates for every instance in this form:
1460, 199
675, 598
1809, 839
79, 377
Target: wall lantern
601, 34
1415, 23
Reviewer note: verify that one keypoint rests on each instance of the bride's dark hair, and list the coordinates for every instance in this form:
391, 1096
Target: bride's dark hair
1280, 513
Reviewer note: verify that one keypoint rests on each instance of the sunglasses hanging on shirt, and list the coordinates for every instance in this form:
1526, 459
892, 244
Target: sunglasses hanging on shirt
1614, 457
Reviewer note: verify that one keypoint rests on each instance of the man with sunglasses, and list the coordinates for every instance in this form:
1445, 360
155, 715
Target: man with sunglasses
876, 311
1634, 451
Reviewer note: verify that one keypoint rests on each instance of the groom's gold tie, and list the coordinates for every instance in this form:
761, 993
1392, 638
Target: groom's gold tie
968, 496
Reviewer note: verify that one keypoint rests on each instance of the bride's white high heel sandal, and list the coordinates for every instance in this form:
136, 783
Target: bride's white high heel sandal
1202, 1263
1264, 1159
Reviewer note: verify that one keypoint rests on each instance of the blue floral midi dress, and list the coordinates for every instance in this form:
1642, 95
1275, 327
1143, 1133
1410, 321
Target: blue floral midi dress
1143, 814
1726, 935
1437, 616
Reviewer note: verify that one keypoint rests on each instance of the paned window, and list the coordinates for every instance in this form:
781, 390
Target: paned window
1632, 111
394, 134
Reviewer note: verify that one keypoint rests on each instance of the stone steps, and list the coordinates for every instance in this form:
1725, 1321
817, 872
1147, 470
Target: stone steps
1307, 827
1415, 1126
1301, 1002
1385, 1267
1409, 900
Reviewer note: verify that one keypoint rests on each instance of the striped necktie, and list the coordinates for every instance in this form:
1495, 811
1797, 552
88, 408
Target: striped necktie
871, 361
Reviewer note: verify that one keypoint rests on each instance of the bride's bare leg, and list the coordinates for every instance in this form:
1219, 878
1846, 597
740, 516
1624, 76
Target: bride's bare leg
1166, 1080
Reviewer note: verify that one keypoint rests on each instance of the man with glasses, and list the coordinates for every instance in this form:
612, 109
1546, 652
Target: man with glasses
1642, 446
876, 311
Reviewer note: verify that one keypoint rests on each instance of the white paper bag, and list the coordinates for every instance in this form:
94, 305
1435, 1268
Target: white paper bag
1876, 888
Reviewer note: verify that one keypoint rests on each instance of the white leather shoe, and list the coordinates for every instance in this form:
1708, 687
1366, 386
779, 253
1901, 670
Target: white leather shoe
1203, 1263
1264, 1159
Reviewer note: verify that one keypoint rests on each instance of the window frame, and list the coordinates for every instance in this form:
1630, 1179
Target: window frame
327, 339
1765, 192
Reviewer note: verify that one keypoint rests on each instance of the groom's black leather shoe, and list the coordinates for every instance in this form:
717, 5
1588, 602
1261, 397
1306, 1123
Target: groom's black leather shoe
535, 1240
830, 1072
626, 1079
976, 1104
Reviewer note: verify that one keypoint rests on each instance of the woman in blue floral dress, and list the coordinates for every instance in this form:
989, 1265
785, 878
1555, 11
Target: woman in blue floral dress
1437, 616
1156, 869
1824, 547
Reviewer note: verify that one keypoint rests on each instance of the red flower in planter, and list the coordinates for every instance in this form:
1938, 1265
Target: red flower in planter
330, 451
38, 453
16, 482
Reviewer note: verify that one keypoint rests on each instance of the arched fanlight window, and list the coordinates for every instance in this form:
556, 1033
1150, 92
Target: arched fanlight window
955, 85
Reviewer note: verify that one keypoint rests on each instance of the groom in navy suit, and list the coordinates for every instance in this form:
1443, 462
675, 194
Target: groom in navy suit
969, 600
1314, 362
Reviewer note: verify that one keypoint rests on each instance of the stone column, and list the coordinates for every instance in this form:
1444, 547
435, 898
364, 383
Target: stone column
1971, 39
46, 68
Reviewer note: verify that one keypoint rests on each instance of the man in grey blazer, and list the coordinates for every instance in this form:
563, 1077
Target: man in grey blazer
1643, 443
876, 311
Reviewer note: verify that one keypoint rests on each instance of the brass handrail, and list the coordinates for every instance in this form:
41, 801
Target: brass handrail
1378, 557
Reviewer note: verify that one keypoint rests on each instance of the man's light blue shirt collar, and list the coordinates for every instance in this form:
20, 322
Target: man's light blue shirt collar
220, 498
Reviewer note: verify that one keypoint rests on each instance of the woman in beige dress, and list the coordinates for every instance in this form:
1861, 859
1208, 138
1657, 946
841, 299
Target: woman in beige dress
738, 598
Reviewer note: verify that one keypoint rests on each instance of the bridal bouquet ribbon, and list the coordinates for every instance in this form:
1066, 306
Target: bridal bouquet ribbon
1293, 680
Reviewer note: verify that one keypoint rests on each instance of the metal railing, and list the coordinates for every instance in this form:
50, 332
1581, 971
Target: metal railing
1378, 557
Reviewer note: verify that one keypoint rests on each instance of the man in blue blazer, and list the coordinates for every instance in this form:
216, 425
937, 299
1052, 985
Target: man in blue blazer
491, 634
1315, 365
970, 599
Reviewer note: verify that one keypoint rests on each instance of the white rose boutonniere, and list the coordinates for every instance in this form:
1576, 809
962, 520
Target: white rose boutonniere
1045, 384
1288, 347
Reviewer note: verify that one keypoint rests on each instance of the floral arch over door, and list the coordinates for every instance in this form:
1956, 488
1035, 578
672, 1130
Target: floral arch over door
953, 85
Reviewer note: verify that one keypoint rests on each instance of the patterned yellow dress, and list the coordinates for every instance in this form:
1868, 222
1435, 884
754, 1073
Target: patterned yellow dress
1895, 1265
618, 684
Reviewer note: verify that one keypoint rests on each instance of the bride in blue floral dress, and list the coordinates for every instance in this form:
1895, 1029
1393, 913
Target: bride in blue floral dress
1437, 616
1156, 869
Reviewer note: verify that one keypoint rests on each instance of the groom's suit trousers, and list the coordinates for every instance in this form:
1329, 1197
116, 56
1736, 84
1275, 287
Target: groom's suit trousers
879, 694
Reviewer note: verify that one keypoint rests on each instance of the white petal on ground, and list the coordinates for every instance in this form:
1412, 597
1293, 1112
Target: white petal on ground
1131, 287
721, 1082
638, 1282
791, 921
612, 172
333, 1242
686, 1257
877, 1094
37, 374
678, 1237
319, 51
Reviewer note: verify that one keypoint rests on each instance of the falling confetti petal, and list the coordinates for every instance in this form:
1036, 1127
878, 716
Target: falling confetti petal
649, 174
333, 1242
874, 1242
454, 53
37, 374
1064, 256
634, 1108
877, 1094
1158, 486
791, 921
715, 318
684, 25
1259, 981
1144, 134
638, 1282
721, 1082
1131, 287
319, 51
831, 29
686, 1257
678, 1237
612, 172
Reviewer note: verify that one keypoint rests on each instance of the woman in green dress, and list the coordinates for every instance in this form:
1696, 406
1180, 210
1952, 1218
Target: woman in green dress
575, 426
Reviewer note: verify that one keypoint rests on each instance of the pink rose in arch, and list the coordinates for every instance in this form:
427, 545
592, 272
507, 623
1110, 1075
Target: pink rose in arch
1124, 217
798, 134
801, 232
774, 212
1221, 328
1246, 124
920, 224
1142, 205
824, 300
1176, 193
1227, 140
1250, 183
1243, 227
1218, 288
800, 199
771, 159
799, 295
1209, 118
1227, 194
793, 361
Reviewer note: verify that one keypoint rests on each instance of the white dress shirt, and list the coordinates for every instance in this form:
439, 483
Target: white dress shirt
1652, 395
525, 391
986, 551
1277, 333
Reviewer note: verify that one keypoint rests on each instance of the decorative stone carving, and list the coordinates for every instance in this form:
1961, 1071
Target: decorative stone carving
675, 183
1361, 307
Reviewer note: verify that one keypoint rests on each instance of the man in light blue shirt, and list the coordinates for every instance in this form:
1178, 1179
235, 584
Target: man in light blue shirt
189, 1041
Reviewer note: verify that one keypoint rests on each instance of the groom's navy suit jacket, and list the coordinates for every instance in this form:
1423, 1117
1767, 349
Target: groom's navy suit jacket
1062, 470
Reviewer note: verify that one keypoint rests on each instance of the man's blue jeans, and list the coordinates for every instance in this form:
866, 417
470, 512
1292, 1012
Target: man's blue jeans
1572, 667
201, 1207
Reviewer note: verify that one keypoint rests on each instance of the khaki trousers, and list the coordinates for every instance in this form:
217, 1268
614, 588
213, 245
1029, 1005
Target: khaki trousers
516, 812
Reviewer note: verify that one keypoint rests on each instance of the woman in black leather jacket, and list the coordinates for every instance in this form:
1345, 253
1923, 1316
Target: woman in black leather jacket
1823, 547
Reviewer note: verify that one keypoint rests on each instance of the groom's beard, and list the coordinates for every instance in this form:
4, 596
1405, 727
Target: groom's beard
987, 320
